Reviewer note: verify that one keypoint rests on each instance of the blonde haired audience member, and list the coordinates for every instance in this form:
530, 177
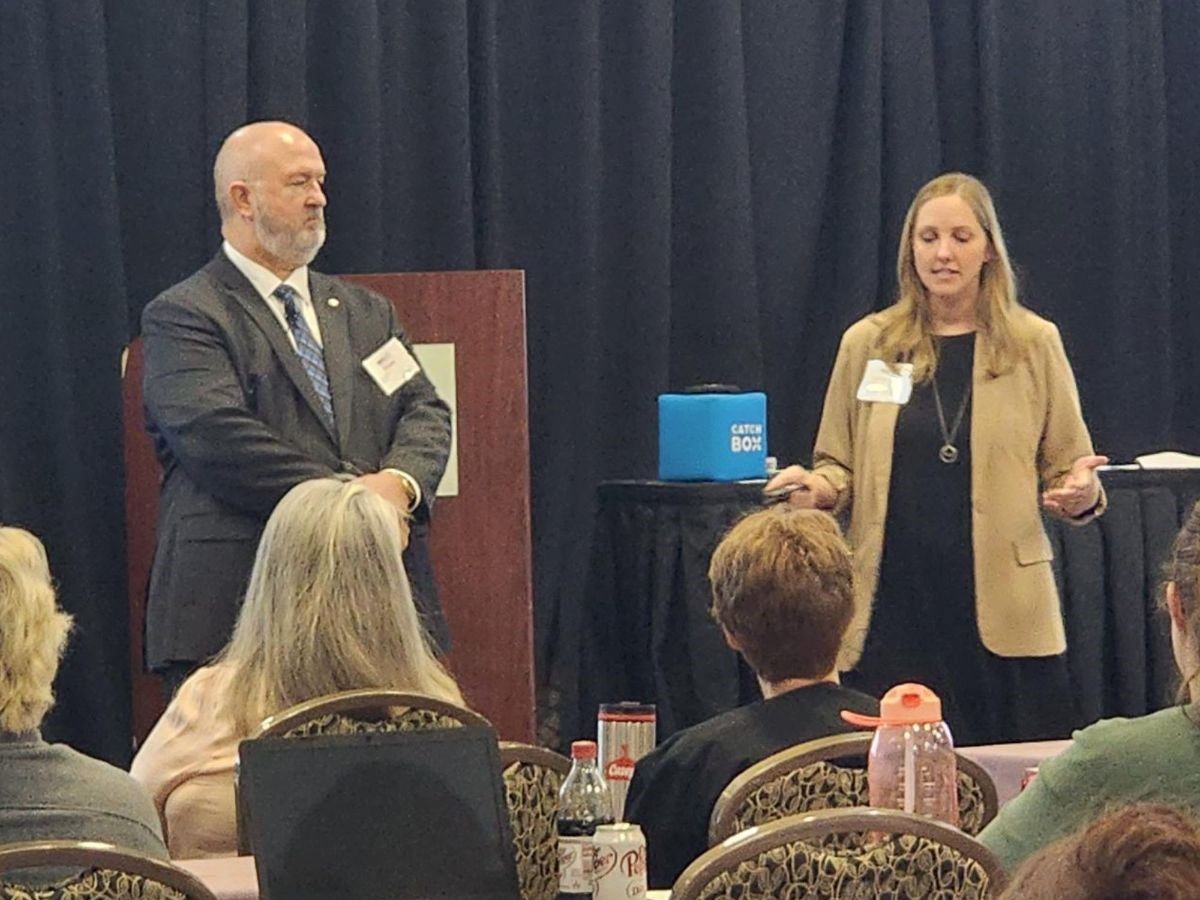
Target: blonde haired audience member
782, 595
1139, 852
1150, 759
49, 791
328, 608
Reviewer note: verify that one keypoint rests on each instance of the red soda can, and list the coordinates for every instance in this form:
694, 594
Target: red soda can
618, 862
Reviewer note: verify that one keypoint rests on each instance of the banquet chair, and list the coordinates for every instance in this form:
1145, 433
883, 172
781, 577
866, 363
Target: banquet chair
821, 774
356, 712
105, 872
532, 777
906, 856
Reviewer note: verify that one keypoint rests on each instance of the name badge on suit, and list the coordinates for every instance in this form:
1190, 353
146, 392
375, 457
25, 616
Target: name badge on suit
883, 383
391, 366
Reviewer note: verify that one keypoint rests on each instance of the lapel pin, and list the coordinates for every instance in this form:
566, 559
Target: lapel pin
334, 302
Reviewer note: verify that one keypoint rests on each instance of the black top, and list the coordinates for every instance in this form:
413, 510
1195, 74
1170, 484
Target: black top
929, 506
923, 624
675, 786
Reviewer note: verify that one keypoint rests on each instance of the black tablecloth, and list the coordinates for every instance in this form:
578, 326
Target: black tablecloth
648, 635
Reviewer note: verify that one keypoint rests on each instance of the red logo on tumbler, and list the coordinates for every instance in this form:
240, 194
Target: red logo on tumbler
621, 767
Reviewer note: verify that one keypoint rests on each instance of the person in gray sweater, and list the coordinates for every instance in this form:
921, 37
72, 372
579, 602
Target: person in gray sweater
49, 791
1149, 759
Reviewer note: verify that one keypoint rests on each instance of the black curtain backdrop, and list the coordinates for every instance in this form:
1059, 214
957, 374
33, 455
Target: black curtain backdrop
698, 192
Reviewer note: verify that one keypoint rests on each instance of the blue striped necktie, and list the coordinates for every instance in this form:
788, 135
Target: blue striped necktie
307, 348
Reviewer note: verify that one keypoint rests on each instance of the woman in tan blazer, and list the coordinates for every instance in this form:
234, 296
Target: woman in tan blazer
951, 420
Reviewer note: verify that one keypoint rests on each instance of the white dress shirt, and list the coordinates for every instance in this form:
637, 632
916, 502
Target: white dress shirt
265, 282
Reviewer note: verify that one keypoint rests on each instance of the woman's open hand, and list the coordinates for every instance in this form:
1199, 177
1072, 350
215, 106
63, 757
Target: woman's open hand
1079, 489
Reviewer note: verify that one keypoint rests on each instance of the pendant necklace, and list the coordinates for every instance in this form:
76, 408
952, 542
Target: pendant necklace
948, 452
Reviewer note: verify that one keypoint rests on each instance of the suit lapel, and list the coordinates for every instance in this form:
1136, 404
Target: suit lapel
340, 360
236, 285
988, 397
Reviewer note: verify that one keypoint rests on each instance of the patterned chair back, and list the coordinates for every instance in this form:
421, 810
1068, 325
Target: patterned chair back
906, 856
356, 712
532, 777
816, 775
106, 873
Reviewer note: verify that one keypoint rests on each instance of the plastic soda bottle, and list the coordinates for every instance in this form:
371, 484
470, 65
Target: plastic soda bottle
911, 765
584, 801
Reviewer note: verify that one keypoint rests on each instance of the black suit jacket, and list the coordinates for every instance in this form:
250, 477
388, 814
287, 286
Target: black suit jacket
236, 424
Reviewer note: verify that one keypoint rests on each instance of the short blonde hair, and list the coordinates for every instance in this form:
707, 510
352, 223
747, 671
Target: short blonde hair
33, 632
329, 608
783, 589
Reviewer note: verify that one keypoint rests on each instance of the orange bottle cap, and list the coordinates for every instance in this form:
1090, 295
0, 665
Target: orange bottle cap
905, 704
583, 749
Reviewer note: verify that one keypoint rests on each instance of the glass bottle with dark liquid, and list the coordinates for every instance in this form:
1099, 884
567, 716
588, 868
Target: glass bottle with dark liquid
584, 802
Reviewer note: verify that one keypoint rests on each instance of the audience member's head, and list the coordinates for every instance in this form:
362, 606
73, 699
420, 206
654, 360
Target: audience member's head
33, 632
782, 591
1140, 852
1181, 597
329, 607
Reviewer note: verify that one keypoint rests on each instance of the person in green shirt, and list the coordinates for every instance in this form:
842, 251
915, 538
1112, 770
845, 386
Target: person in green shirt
1116, 762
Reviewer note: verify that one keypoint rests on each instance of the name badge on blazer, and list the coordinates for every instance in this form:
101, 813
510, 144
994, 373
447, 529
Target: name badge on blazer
391, 366
883, 383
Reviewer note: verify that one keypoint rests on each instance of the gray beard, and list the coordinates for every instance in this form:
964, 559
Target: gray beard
294, 248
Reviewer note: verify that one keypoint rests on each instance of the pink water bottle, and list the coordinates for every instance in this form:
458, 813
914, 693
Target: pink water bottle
911, 765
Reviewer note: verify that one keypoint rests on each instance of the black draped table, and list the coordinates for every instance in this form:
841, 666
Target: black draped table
648, 636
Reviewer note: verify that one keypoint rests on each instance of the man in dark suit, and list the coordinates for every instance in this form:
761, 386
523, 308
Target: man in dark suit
261, 374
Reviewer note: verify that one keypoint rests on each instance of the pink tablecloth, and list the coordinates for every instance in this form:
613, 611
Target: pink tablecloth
230, 878
1006, 763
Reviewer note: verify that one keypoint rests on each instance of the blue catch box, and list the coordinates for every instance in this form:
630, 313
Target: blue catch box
712, 437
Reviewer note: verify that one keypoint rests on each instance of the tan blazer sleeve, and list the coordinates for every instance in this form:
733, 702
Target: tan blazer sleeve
833, 453
1065, 436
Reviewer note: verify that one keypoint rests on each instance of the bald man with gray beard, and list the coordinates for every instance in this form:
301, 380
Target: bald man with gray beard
255, 381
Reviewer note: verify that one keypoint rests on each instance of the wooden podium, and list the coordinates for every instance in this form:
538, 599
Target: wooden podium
479, 542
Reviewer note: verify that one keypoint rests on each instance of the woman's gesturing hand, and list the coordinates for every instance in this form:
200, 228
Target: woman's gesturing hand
812, 491
1079, 489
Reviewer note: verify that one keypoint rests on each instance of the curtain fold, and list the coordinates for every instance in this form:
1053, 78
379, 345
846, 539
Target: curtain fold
62, 330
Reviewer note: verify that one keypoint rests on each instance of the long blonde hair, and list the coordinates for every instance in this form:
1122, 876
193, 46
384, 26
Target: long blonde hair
33, 632
906, 335
328, 608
